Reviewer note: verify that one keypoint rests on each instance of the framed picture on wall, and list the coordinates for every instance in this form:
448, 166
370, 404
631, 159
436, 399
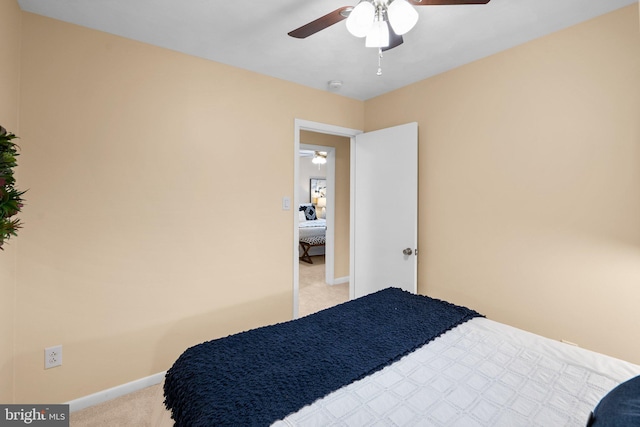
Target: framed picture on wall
317, 189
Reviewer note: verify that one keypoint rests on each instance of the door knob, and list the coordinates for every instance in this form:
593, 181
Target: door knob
407, 251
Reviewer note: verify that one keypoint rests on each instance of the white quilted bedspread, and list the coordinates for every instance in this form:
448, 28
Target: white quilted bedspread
317, 227
481, 373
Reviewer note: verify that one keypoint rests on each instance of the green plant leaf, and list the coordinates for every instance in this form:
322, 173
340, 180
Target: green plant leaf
11, 201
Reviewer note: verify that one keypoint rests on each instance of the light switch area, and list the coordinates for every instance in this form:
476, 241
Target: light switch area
52, 356
286, 203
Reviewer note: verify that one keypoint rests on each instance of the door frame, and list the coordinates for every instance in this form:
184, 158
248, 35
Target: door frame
300, 125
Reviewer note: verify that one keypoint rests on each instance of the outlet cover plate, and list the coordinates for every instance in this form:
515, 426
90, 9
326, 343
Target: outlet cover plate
52, 356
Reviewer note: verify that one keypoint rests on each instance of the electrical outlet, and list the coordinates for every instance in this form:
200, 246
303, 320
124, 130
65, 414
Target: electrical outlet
52, 356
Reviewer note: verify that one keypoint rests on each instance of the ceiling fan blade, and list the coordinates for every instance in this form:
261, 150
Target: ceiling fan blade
321, 23
394, 39
445, 2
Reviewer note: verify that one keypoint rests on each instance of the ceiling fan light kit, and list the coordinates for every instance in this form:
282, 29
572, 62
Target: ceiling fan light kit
319, 158
402, 16
371, 19
360, 20
382, 22
378, 35
399, 14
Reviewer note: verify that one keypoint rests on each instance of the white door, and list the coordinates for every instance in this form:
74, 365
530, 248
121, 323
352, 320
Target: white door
385, 210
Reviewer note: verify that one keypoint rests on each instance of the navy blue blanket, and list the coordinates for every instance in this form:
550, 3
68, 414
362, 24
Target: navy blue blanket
257, 377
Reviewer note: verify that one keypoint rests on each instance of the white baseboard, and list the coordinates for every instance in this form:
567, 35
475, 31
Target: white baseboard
117, 391
340, 280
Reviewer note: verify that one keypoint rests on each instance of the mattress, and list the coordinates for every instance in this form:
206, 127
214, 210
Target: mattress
311, 228
481, 373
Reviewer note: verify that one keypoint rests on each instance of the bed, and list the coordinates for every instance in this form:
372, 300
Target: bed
312, 228
312, 232
393, 358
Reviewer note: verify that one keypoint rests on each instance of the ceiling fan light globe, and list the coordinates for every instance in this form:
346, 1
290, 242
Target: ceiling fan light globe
379, 35
319, 157
361, 18
402, 16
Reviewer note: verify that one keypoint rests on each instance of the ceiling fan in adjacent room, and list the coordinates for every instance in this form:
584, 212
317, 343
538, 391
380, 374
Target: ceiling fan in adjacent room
382, 22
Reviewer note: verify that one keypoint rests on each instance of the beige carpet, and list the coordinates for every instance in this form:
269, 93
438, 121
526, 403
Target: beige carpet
136, 409
314, 294
144, 408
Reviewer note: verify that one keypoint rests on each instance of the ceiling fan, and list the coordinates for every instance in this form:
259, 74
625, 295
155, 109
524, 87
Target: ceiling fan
382, 22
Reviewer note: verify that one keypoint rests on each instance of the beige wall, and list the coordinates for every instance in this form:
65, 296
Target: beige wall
10, 18
142, 166
141, 173
343, 188
530, 183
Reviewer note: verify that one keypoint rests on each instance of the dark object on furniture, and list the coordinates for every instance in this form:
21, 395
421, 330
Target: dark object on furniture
309, 212
309, 242
620, 407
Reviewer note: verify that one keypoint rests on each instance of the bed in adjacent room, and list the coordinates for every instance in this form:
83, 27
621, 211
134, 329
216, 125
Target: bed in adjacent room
393, 358
312, 232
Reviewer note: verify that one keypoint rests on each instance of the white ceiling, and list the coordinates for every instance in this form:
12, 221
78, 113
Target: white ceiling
253, 35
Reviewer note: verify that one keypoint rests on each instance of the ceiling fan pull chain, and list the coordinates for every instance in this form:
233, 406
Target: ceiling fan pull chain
379, 73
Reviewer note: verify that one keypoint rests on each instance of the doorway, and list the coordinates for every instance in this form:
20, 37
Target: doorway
334, 269
318, 186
